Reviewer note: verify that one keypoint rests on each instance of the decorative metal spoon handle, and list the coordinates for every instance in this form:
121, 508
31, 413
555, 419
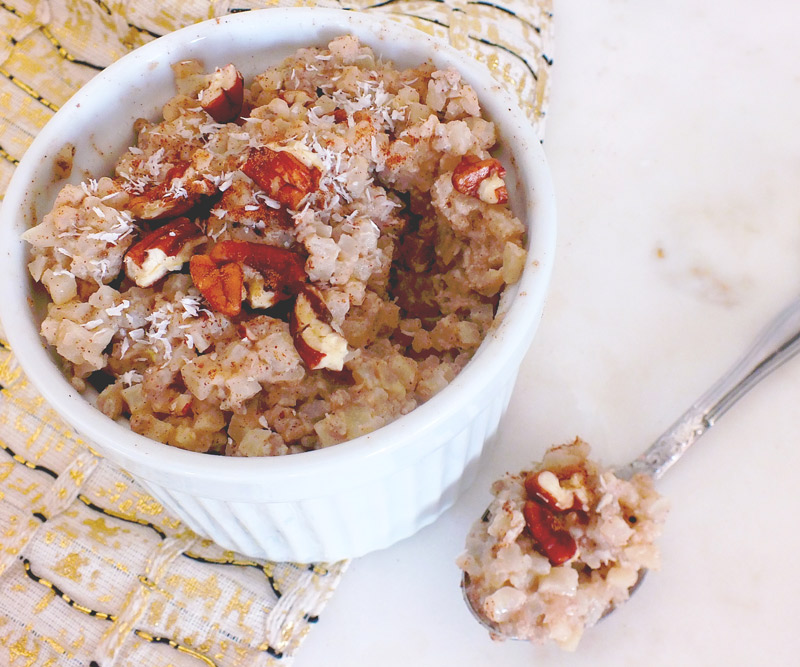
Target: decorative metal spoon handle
778, 343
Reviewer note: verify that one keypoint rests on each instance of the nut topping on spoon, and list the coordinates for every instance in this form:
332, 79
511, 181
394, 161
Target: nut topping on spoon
557, 547
553, 540
558, 495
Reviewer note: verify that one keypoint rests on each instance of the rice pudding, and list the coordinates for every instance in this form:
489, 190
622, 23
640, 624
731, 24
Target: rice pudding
285, 263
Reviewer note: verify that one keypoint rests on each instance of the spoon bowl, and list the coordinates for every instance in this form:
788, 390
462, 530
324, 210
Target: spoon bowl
495, 630
778, 342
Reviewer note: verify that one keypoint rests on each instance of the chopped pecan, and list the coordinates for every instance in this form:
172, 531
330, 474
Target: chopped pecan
220, 284
546, 487
555, 541
282, 175
280, 275
482, 179
562, 491
224, 96
283, 270
161, 251
177, 194
316, 341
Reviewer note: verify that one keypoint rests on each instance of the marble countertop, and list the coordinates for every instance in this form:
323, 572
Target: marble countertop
674, 144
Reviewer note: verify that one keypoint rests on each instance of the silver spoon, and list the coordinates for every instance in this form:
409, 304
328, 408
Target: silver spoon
776, 344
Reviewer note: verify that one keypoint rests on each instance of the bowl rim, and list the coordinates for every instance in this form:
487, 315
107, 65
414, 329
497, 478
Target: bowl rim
234, 477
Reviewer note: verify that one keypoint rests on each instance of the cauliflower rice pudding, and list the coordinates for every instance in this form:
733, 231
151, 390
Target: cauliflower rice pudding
559, 545
285, 265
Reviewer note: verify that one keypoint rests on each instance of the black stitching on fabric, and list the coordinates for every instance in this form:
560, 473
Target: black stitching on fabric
154, 35
505, 10
386, 3
273, 585
13, 10
483, 41
275, 654
201, 559
239, 563
222, 561
507, 50
61, 594
19, 83
115, 515
61, 50
111, 617
108, 11
103, 6
153, 639
64, 53
26, 463
425, 18
40, 516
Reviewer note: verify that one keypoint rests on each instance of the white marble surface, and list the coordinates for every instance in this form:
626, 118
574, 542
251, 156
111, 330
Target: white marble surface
674, 143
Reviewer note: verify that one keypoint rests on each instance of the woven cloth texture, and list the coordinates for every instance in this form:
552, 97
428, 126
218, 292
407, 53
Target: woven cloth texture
94, 571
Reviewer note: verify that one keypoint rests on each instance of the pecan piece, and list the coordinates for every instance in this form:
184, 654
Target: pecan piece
546, 487
554, 541
162, 251
283, 271
282, 175
316, 341
482, 179
273, 274
176, 195
224, 97
561, 491
220, 285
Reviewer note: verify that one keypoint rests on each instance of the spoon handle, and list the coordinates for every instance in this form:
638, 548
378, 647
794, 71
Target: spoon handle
778, 343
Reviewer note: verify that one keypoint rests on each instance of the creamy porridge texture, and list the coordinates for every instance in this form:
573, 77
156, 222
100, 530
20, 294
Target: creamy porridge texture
559, 544
287, 264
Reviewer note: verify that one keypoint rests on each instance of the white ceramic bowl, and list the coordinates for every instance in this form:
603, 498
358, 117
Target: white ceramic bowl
324, 505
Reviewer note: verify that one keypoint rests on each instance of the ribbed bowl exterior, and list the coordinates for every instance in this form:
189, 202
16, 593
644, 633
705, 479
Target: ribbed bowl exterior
361, 519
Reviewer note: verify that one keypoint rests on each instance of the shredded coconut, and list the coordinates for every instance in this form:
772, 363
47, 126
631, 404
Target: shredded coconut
115, 311
130, 377
89, 187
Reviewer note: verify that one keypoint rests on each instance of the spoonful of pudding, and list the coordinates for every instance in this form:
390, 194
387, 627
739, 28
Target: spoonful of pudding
567, 541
